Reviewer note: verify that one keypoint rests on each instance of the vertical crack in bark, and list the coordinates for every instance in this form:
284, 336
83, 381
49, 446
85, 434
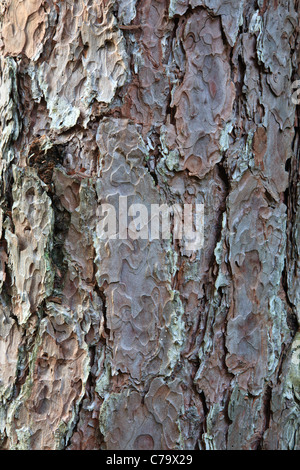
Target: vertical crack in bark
101, 293
62, 220
206, 411
267, 414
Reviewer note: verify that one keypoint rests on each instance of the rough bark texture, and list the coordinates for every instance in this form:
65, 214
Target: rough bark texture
139, 344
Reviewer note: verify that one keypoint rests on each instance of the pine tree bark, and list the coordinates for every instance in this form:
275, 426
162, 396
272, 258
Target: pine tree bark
125, 344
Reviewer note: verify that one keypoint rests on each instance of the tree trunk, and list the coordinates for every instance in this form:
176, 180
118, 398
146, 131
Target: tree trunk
144, 344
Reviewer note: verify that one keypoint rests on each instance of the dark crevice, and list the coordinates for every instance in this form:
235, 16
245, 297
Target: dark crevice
153, 174
205, 412
203, 400
25, 350
284, 354
267, 406
221, 171
221, 168
6, 206
292, 320
62, 221
171, 110
76, 424
226, 410
101, 293
7, 197
44, 160
153, 158
6, 293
